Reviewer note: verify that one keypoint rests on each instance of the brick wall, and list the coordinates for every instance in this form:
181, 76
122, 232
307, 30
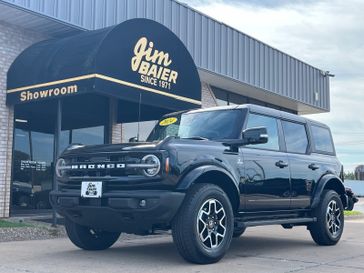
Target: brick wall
207, 96
13, 40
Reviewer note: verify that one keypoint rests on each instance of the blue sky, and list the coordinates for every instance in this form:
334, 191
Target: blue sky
328, 34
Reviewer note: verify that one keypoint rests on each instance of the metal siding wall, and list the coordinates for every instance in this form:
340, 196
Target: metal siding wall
214, 46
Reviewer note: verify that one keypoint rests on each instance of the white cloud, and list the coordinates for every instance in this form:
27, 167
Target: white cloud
326, 34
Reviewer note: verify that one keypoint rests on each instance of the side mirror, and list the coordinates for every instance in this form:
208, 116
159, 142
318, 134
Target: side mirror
133, 139
257, 135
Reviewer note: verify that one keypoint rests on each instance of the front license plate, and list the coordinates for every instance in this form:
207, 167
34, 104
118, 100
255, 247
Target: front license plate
91, 189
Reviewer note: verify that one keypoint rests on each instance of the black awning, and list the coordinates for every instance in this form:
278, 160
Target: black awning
137, 58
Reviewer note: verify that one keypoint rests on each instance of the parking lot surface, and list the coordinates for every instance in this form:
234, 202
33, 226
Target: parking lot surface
263, 249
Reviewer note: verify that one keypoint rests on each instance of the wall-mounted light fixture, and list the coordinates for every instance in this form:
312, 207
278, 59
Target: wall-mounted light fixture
21, 120
327, 74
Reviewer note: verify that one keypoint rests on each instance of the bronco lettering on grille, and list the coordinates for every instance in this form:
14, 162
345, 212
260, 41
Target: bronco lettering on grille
97, 166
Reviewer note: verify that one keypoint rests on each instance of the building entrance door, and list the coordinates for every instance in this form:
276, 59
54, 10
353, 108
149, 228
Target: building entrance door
33, 148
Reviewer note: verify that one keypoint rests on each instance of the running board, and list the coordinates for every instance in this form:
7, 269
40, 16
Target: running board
277, 222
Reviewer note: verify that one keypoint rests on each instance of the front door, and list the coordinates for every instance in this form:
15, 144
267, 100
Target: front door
267, 177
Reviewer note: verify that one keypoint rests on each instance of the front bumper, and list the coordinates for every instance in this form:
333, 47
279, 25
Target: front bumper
119, 211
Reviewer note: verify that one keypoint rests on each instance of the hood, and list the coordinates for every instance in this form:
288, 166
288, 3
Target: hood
165, 144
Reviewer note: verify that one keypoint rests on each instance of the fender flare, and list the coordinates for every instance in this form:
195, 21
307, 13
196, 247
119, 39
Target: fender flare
321, 186
192, 175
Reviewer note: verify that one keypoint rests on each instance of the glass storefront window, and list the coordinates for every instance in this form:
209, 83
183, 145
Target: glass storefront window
33, 154
64, 140
33, 163
32, 169
42, 156
130, 130
224, 97
21, 188
88, 136
22, 142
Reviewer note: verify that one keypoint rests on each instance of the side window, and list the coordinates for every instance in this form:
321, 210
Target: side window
295, 136
272, 130
322, 139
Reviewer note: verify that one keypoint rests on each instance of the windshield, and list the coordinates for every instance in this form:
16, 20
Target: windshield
213, 125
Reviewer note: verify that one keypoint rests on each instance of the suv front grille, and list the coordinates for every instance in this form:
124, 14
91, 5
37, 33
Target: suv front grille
97, 166
116, 170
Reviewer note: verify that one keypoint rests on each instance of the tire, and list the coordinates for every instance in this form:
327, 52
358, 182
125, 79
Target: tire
89, 239
24, 201
238, 232
330, 220
199, 238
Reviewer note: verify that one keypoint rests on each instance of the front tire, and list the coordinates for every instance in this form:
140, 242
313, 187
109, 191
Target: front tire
330, 220
88, 238
203, 228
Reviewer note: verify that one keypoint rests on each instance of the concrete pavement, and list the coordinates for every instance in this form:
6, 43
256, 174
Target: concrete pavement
360, 205
262, 249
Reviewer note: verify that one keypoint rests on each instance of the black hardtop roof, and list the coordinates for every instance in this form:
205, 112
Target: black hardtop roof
253, 108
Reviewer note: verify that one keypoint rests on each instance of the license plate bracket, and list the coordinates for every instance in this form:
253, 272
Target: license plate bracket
91, 189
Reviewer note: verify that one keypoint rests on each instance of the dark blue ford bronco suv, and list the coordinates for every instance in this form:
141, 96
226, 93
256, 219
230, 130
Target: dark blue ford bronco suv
207, 175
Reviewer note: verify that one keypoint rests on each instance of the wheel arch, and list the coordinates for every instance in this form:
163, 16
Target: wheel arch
213, 175
329, 182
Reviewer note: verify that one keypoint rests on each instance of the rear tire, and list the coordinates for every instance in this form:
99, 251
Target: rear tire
330, 220
203, 228
88, 238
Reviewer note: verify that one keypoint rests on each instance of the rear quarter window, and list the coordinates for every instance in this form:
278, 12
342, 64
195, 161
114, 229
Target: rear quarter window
322, 140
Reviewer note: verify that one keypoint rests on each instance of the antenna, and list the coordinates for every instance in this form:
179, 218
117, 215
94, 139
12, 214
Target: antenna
139, 114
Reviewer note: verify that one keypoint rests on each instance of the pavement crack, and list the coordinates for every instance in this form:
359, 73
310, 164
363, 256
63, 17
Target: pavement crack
330, 264
279, 259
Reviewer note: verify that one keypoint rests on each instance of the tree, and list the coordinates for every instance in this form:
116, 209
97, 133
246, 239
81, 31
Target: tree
349, 175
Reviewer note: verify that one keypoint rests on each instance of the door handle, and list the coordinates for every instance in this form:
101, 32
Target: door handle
281, 164
313, 166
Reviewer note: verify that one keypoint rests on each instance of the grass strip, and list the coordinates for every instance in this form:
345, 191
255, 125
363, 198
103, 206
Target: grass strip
352, 213
9, 224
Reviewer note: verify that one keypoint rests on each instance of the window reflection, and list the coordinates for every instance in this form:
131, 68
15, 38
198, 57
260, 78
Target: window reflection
21, 189
270, 124
88, 136
130, 130
33, 163
224, 97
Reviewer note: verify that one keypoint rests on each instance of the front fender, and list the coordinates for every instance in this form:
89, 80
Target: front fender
329, 181
185, 182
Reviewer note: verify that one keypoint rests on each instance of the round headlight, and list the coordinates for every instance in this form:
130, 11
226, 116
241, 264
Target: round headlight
151, 160
60, 167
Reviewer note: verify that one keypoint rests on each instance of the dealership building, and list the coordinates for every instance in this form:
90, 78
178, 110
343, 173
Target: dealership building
74, 71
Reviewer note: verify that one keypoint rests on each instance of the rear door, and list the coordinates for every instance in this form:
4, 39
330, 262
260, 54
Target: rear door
266, 183
304, 171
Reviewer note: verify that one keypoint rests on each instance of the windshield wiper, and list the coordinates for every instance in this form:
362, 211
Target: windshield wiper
195, 137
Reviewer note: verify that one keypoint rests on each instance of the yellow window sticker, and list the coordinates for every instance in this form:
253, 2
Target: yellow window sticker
167, 121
